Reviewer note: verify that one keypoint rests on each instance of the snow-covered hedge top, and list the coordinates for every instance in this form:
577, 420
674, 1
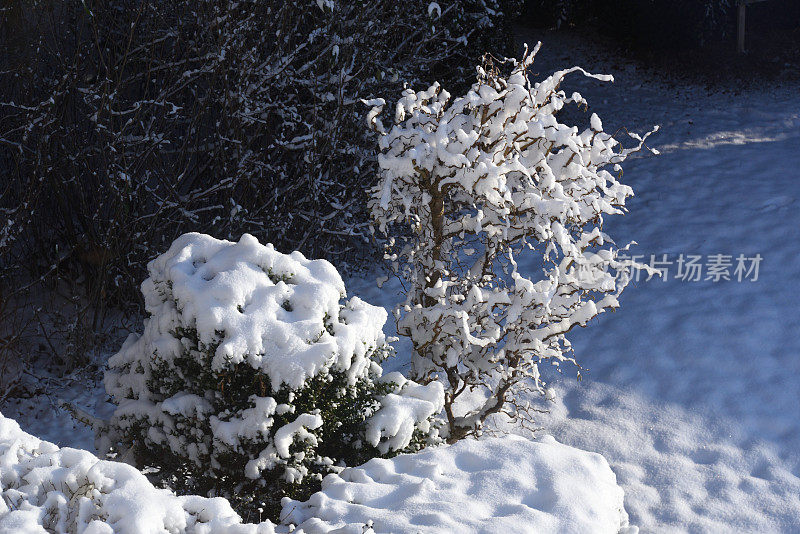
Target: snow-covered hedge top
280, 313
507, 484
47, 489
496, 485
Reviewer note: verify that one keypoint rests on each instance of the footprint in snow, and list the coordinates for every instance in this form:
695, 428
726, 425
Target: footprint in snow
776, 203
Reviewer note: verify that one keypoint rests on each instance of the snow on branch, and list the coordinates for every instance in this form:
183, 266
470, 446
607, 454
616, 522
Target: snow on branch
471, 186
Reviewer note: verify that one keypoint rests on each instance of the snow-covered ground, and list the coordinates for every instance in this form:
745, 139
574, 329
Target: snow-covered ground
509, 484
692, 389
496, 485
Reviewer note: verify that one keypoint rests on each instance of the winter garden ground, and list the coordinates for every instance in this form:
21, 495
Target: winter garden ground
691, 391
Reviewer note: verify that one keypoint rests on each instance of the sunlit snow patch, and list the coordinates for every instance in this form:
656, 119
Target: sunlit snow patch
508, 484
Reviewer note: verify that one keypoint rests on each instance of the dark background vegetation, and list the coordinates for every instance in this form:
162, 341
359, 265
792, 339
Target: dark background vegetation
696, 38
124, 123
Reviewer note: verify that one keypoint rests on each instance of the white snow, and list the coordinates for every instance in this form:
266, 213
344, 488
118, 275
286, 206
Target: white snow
402, 411
693, 388
508, 485
254, 422
47, 489
269, 308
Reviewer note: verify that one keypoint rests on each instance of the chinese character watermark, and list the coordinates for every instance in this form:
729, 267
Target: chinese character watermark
696, 268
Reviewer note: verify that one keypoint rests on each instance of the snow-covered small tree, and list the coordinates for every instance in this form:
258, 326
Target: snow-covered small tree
253, 378
468, 188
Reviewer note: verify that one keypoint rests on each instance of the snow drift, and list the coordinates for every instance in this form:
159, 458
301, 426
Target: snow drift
507, 484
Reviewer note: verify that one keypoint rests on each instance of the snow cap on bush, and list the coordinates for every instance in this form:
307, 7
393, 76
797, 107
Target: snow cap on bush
253, 370
47, 489
272, 309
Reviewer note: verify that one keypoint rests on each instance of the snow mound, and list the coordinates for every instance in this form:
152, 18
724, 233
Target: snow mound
279, 313
47, 489
508, 484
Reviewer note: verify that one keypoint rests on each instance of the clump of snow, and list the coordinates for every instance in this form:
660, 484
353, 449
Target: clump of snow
508, 484
408, 408
280, 313
47, 489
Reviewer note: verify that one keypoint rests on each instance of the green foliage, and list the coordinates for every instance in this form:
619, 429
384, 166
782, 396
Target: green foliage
343, 407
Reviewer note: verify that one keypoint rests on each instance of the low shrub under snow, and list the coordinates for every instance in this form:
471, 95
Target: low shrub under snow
254, 378
47, 489
508, 485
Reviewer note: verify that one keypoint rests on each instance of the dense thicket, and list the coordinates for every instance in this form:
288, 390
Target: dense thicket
124, 123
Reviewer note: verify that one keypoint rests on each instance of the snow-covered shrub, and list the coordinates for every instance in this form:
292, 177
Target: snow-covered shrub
47, 489
474, 185
253, 378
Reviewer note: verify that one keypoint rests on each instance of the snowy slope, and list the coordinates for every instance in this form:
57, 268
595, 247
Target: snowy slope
694, 386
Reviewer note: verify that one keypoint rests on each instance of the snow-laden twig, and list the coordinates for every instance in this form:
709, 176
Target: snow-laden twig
478, 183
